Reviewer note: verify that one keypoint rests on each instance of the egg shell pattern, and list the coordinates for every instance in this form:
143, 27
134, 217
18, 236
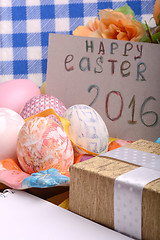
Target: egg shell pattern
40, 103
10, 125
43, 144
87, 129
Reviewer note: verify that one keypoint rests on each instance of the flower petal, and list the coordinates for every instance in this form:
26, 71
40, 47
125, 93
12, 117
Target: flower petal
122, 36
116, 25
93, 26
156, 12
82, 31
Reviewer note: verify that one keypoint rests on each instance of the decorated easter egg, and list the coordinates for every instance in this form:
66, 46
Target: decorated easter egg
10, 125
40, 103
15, 93
87, 129
43, 144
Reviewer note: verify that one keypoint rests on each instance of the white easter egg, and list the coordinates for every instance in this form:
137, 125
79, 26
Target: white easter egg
10, 125
87, 129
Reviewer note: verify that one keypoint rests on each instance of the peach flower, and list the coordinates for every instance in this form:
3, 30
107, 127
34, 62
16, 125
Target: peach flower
86, 31
156, 11
112, 25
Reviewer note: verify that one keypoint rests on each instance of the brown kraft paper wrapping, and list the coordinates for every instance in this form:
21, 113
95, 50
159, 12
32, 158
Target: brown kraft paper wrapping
91, 193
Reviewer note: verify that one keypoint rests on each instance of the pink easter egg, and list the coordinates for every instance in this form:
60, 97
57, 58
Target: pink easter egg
40, 103
43, 144
15, 93
10, 125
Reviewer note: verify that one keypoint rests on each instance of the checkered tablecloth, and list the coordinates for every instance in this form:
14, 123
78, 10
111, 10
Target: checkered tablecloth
25, 26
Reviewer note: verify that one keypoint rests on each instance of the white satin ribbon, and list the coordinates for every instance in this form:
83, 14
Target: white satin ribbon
128, 188
140, 158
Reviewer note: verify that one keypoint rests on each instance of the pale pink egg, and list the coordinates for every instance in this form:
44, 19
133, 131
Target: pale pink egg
15, 93
10, 125
43, 144
40, 103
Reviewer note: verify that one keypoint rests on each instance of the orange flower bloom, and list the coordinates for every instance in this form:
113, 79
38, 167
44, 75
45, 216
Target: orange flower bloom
113, 25
86, 31
156, 11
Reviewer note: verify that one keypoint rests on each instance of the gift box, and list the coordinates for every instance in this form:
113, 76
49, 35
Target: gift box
120, 190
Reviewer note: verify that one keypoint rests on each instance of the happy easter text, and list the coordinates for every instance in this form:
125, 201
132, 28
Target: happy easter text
125, 66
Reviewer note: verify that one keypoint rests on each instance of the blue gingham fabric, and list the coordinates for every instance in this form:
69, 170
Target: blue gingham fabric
25, 26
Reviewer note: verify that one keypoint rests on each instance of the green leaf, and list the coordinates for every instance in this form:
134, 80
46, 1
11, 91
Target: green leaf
149, 31
156, 37
126, 10
150, 36
145, 39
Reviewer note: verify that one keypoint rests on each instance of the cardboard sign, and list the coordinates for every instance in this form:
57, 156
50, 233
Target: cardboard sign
119, 79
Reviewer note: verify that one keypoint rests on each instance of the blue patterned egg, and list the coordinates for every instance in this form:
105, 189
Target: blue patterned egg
87, 129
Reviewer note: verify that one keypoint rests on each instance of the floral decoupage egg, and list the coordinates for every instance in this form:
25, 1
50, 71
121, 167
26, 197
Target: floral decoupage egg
43, 144
10, 125
87, 129
40, 103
